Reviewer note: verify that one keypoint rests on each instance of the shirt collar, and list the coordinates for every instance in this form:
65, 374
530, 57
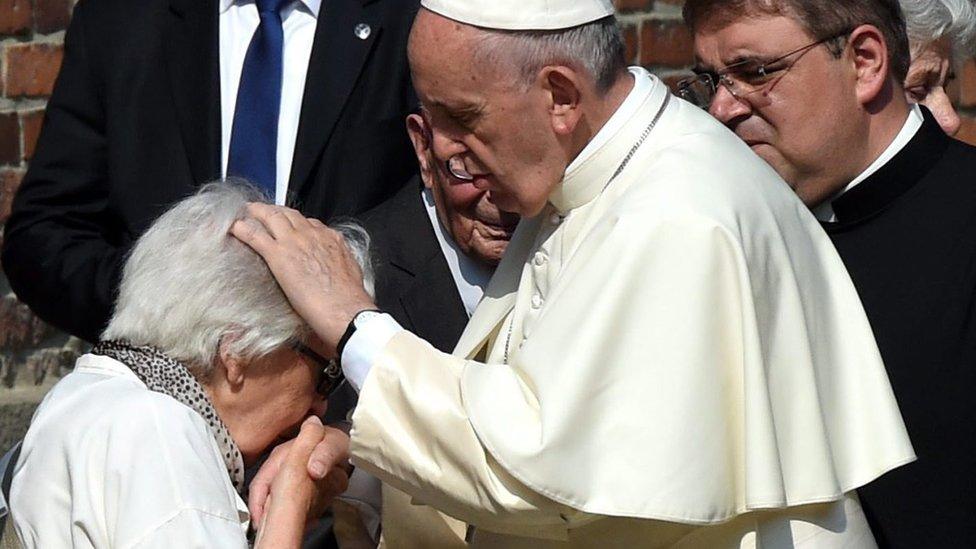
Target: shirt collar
825, 210
312, 5
589, 173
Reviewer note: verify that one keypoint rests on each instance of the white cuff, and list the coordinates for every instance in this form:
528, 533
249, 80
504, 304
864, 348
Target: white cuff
366, 342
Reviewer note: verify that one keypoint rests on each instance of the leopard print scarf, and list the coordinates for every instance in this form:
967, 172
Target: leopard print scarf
164, 375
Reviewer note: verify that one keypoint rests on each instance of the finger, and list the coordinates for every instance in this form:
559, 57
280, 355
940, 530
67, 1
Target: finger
310, 435
293, 216
260, 487
276, 219
332, 451
253, 233
330, 487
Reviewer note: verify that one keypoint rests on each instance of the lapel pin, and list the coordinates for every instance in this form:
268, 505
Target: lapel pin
362, 31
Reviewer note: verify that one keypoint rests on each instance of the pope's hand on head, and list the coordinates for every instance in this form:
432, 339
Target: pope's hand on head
311, 262
325, 462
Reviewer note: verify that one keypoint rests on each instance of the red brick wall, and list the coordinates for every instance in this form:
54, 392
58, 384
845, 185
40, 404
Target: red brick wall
32, 355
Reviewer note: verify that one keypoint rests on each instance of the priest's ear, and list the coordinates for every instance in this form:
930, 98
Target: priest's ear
422, 139
869, 59
564, 87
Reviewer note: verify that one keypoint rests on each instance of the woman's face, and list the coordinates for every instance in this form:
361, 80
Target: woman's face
928, 76
264, 402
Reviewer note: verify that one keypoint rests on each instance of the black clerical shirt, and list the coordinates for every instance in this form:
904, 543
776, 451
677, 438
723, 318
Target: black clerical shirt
907, 234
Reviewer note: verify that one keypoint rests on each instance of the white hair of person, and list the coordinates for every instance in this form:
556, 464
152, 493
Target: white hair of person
930, 20
188, 284
597, 48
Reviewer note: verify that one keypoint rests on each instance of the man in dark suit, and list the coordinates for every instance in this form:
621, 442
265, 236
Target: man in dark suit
897, 197
437, 242
141, 116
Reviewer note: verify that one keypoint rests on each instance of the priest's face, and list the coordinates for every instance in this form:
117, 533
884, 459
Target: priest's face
502, 134
799, 113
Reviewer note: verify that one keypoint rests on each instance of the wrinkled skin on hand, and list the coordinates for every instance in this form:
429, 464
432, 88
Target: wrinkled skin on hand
311, 263
326, 464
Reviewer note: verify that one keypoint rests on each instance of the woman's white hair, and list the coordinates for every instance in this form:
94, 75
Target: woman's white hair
188, 284
930, 20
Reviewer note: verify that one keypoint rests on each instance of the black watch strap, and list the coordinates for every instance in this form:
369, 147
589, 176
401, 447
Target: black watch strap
347, 335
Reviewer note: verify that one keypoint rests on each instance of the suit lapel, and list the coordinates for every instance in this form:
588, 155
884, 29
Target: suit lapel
433, 303
337, 58
194, 77
501, 292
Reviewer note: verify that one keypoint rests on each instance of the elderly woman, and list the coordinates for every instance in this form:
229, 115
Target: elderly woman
942, 34
203, 367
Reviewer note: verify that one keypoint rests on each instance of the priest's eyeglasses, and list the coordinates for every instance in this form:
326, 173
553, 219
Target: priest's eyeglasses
456, 167
744, 77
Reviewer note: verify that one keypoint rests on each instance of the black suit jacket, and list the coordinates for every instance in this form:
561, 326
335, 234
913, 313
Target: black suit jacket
133, 126
413, 281
907, 235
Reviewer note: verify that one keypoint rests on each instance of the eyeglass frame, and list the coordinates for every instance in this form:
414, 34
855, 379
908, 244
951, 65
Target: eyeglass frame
458, 170
328, 374
715, 78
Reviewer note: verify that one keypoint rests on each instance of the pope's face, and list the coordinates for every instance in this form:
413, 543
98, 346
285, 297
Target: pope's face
800, 119
928, 75
475, 111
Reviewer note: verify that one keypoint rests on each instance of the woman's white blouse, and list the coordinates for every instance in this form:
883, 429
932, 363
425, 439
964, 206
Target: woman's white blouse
109, 463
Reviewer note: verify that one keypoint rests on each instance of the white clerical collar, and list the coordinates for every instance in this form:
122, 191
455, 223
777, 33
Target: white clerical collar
825, 211
470, 276
642, 88
312, 5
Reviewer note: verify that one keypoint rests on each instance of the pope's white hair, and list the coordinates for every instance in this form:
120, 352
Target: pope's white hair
930, 20
188, 284
597, 48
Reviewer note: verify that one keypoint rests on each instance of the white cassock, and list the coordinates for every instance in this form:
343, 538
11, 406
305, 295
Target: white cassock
669, 357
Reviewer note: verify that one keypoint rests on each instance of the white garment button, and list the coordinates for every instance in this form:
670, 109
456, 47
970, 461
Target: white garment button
536, 301
539, 259
555, 219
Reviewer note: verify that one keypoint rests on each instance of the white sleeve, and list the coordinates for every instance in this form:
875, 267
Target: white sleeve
192, 529
365, 344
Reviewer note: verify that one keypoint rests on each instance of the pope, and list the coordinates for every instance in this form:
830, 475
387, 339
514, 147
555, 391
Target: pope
670, 352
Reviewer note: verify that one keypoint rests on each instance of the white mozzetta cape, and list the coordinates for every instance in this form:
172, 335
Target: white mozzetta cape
684, 344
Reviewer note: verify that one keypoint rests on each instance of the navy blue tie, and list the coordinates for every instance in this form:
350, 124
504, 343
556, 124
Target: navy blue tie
254, 135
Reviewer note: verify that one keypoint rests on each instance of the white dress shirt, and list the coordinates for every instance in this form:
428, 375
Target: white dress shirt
470, 276
825, 211
107, 463
238, 21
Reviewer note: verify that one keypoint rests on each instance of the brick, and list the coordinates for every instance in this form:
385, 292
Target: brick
31, 69
630, 43
967, 84
666, 43
30, 124
51, 15
9, 138
19, 328
10, 179
15, 16
633, 5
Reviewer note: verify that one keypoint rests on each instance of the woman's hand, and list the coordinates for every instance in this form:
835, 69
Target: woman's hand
293, 492
326, 464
